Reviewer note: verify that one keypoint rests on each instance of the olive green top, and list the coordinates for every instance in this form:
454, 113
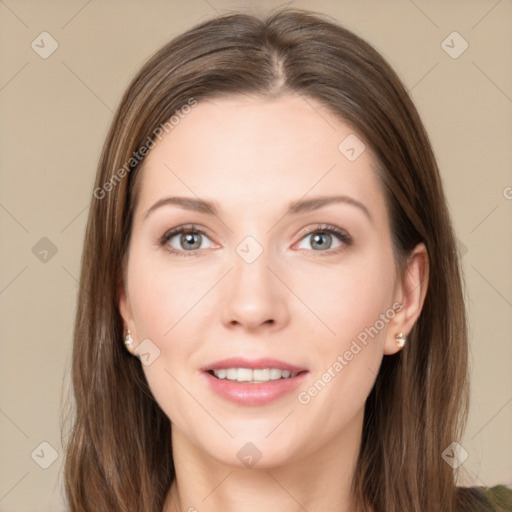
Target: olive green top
500, 497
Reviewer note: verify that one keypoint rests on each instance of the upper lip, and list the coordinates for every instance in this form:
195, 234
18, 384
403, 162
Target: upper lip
254, 364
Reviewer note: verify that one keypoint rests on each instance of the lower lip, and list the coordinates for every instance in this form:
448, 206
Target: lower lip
243, 393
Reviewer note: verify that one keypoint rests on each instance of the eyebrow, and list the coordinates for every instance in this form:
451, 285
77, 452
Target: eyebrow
294, 207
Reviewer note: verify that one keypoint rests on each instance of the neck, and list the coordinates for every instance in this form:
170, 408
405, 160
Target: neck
318, 481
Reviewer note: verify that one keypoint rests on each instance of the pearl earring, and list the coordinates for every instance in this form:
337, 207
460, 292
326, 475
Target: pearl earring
400, 340
128, 342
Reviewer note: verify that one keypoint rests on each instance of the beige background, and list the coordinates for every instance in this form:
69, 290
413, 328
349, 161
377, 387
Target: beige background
55, 113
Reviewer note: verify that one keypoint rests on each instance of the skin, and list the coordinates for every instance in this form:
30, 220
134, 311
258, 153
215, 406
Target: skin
295, 302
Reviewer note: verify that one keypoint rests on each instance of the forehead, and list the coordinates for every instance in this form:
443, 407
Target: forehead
250, 153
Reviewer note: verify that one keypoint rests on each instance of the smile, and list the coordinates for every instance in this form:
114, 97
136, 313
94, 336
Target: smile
247, 387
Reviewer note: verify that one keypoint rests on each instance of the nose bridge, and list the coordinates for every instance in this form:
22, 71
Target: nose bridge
255, 296
250, 265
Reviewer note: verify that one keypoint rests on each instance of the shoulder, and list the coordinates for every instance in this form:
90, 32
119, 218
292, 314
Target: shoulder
500, 497
485, 499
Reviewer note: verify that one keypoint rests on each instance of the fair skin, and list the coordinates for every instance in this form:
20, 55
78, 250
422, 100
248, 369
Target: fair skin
300, 302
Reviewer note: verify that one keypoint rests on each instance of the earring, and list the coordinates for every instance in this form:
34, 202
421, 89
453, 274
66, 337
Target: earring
400, 340
128, 342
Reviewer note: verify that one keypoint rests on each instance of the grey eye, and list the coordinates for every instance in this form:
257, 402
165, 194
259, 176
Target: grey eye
187, 241
320, 240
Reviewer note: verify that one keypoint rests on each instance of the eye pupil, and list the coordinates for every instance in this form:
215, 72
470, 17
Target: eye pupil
189, 238
318, 237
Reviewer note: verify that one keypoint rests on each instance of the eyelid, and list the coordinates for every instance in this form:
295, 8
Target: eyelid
322, 227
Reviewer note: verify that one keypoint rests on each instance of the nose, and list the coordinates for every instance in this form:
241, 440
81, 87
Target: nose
255, 298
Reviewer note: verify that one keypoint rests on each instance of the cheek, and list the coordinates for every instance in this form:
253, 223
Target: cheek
162, 306
347, 298
355, 305
162, 296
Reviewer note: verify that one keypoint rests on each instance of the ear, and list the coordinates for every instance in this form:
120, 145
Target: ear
125, 309
411, 290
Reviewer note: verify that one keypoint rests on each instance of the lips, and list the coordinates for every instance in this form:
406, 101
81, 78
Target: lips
254, 393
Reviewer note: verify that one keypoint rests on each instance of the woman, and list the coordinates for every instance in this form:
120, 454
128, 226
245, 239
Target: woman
271, 372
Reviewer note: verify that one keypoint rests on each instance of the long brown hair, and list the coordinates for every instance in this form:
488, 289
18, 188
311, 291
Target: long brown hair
119, 455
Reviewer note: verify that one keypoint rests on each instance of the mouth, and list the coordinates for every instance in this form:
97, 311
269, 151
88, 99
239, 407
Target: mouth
253, 382
256, 370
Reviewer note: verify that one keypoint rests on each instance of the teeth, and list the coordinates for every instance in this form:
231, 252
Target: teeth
221, 374
244, 375
253, 376
231, 374
263, 375
275, 374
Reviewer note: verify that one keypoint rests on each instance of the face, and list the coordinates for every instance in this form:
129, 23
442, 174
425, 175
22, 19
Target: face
270, 278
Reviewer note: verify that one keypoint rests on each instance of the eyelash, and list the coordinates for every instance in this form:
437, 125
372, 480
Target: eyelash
343, 236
